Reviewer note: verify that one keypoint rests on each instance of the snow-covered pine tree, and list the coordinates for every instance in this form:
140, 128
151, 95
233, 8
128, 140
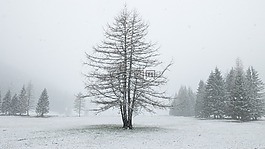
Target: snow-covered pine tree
255, 92
240, 102
183, 104
172, 110
43, 104
6, 103
215, 95
192, 99
209, 96
30, 102
229, 85
14, 106
79, 104
23, 101
200, 99
220, 94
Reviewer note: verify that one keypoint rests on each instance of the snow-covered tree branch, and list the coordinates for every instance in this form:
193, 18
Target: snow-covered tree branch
113, 79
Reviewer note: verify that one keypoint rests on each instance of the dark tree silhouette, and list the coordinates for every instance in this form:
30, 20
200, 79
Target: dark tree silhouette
116, 78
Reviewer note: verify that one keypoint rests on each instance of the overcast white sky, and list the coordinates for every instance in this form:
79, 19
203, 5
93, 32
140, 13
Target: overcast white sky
46, 39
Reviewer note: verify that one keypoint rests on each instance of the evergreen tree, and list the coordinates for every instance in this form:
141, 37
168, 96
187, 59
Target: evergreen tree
23, 101
240, 102
79, 104
215, 95
14, 107
192, 99
209, 96
229, 85
255, 93
29, 102
181, 107
220, 95
43, 104
183, 104
200, 100
174, 105
6, 103
240, 97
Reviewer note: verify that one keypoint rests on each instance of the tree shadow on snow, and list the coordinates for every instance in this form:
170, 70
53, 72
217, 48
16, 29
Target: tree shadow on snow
114, 128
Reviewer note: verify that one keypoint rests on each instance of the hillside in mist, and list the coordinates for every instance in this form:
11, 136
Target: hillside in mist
13, 79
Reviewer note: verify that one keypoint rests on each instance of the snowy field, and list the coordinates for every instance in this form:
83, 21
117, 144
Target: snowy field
150, 132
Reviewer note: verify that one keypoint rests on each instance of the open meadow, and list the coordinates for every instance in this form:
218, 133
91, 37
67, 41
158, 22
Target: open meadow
149, 132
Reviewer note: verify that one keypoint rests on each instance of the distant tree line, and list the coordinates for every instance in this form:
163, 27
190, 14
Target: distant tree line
22, 103
239, 96
183, 103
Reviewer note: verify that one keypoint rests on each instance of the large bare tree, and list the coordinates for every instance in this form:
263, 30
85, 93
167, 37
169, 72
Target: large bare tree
118, 75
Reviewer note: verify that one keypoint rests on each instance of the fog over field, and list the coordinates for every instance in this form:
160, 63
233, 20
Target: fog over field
132, 74
45, 41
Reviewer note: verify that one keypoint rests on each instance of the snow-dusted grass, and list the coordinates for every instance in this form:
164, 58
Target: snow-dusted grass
149, 132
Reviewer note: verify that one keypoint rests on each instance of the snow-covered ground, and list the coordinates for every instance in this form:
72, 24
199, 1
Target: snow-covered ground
150, 132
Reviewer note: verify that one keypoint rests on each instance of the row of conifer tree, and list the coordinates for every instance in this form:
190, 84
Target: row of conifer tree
22, 103
239, 96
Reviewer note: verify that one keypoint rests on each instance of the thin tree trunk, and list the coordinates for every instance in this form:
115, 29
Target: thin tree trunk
125, 124
130, 122
27, 111
130, 103
130, 116
79, 108
124, 120
132, 106
123, 116
125, 102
